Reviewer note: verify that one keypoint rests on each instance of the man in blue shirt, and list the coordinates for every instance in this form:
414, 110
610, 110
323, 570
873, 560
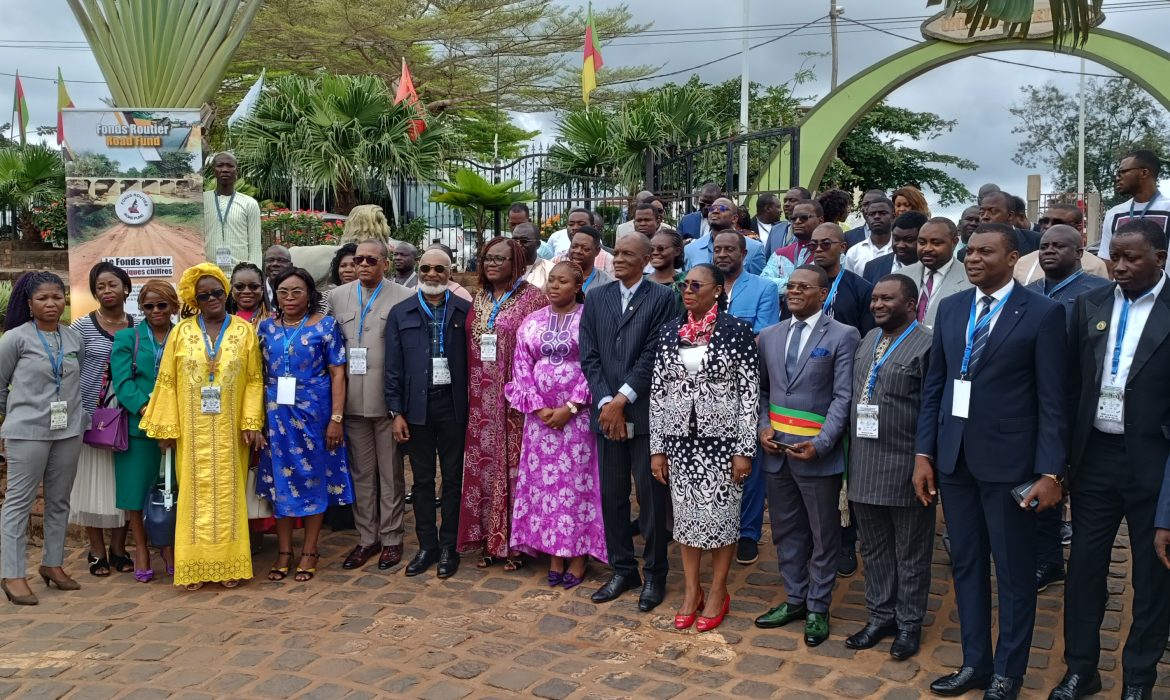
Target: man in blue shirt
721, 216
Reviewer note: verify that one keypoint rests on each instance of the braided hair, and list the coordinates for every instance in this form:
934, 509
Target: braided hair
578, 276
19, 311
265, 305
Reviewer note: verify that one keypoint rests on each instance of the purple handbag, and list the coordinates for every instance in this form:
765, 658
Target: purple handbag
110, 427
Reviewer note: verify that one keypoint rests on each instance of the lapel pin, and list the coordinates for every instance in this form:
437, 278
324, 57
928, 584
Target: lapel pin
1100, 325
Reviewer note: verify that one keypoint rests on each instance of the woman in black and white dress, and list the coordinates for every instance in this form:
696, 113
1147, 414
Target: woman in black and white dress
704, 402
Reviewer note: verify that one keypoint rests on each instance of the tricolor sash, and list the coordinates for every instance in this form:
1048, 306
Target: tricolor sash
793, 422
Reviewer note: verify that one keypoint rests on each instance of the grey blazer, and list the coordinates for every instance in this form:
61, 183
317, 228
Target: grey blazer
955, 281
27, 385
823, 384
365, 394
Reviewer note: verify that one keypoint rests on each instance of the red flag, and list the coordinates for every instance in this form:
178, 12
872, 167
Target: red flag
406, 93
63, 102
20, 109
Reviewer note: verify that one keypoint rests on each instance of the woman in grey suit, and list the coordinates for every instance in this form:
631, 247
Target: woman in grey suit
706, 378
40, 396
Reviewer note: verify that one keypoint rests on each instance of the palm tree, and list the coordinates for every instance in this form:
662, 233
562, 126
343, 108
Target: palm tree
1071, 19
473, 194
30, 176
339, 132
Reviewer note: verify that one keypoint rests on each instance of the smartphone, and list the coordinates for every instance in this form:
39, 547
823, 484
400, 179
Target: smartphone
1019, 492
787, 447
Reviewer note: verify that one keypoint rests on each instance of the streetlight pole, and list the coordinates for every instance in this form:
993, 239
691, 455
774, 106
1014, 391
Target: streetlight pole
744, 97
834, 11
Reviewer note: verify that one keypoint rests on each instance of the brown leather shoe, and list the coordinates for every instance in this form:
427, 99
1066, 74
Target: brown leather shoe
359, 556
391, 555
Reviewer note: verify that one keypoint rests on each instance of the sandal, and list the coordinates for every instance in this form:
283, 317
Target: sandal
97, 564
122, 563
278, 573
514, 564
194, 586
230, 583
144, 575
306, 574
485, 562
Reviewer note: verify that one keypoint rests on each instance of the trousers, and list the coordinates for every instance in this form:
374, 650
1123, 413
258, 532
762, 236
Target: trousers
31, 463
897, 543
617, 461
379, 484
443, 437
806, 527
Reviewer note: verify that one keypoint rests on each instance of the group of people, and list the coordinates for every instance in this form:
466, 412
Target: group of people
846, 380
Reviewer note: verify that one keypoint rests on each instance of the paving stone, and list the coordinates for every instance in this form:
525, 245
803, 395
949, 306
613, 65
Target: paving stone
857, 686
466, 669
779, 642
228, 683
555, 689
328, 691
899, 671
663, 691
754, 689
551, 625
44, 690
91, 691
146, 694
623, 680
280, 685
445, 690
513, 679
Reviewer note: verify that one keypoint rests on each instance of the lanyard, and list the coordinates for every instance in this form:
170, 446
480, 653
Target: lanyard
833, 292
158, 349
288, 341
366, 308
973, 327
1062, 285
879, 361
213, 350
588, 281
491, 324
427, 310
223, 215
56, 362
802, 254
1157, 194
1122, 323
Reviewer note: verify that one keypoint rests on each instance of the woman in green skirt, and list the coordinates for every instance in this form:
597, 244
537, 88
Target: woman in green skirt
134, 364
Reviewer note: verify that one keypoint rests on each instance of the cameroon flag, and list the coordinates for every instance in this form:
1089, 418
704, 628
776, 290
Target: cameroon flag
593, 61
20, 109
63, 102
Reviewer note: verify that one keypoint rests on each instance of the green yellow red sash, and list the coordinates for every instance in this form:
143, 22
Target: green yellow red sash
793, 422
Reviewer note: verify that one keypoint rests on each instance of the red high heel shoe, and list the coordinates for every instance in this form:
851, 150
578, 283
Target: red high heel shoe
682, 622
706, 624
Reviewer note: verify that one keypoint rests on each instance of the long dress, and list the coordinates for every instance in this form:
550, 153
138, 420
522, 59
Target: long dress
298, 475
494, 430
211, 530
556, 505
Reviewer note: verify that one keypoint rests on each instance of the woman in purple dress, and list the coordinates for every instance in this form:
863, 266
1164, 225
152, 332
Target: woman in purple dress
556, 507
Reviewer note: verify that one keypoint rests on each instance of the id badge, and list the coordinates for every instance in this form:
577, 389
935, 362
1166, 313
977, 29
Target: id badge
357, 360
58, 415
867, 421
440, 371
223, 258
487, 347
961, 401
629, 430
209, 401
1111, 404
286, 391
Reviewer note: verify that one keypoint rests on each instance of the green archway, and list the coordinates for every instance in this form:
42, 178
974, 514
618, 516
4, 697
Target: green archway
830, 120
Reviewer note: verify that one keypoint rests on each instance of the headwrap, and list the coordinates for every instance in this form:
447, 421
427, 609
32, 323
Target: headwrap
697, 332
191, 277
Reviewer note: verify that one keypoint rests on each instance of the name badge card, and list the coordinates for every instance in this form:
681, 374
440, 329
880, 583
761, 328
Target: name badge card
867, 421
629, 430
58, 415
440, 371
487, 347
223, 258
209, 400
286, 391
961, 401
357, 360
1111, 404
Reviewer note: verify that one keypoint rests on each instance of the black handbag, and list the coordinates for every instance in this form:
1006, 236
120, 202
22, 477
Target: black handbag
159, 513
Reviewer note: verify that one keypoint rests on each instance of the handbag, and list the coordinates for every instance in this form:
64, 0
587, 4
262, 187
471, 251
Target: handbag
259, 507
110, 427
159, 514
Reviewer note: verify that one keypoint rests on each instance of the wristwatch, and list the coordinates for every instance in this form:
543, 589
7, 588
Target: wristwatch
336, 417
1057, 479
572, 407
394, 414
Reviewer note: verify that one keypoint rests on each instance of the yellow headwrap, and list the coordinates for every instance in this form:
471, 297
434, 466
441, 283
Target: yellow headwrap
191, 277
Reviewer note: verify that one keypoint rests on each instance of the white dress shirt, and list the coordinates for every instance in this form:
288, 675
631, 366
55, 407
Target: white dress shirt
560, 241
1139, 313
999, 295
939, 275
627, 294
805, 333
857, 256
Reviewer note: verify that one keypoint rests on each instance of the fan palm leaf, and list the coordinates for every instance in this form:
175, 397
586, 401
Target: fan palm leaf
1071, 19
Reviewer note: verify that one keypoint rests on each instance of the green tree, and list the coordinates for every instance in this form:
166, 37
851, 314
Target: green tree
30, 176
92, 164
1120, 117
1072, 19
476, 197
172, 164
474, 133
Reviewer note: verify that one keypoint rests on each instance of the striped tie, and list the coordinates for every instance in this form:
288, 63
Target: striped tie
979, 342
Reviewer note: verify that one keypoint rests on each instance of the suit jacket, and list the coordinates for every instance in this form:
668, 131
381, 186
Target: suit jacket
365, 393
690, 225
1067, 297
1018, 422
823, 385
778, 236
1026, 242
878, 268
754, 299
723, 396
618, 348
953, 282
702, 250
1147, 403
851, 305
408, 358
854, 236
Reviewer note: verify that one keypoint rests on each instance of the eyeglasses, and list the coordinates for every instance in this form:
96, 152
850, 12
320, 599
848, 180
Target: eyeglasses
207, 296
692, 286
161, 306
824, 244
801, 286
370, 260
496, 259
291, 293
438, 269
721, 208
800, 217
245, 286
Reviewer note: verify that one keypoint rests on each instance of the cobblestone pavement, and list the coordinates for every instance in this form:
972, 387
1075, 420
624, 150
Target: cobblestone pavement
482, 634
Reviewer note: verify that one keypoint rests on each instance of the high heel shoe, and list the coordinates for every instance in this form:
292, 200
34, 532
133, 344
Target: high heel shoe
29, 599
682, 622
144, 575
706, 624
63, 584
304, 575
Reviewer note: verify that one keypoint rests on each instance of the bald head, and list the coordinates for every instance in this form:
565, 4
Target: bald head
829, 229
434, 271
1060, 252
643, 196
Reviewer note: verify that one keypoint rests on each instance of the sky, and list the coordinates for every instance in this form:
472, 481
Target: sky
976, 92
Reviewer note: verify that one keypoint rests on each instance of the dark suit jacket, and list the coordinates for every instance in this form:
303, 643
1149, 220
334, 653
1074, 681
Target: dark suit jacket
690, 225
408, 358
618, 349
1147, 402
776, 237
1018, 421
851, 305
878, 268
1026, 241
854, 236
1067, 297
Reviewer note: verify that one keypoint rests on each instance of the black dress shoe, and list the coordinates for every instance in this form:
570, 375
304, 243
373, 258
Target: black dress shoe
906, 644
1048, 574
959, 682
448, 563
653, 593
1075, 686
1003, 688
391, 555
615, 586
358, 557
422, 561
868, 637
847, 563
1136, 692
747, 551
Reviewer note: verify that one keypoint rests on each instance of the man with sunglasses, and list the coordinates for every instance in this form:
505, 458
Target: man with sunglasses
1028, 269
538, 268
722, 216
695, 224
379, 485
1137, 177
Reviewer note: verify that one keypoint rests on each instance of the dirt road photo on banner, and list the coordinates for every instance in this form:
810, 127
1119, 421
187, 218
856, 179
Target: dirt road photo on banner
182, 243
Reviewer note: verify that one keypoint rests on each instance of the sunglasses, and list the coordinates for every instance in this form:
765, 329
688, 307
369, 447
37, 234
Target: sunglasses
801, 286
825, 244
693, 286
245, 286
801, 217
370, 260
721, 208
161, 306
438, 269
660, 248
207, 296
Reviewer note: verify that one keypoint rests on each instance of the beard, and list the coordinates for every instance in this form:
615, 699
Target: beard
432, 289
721, 226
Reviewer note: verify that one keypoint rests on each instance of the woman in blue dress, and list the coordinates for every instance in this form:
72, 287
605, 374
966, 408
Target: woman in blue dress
304, 469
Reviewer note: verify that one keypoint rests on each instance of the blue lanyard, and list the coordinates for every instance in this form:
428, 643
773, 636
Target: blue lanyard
213, 350
589, 280
972, 327
442, 323
288, 341
1152, 200
158, 349
1072, 278
366, 309
491, 324
878, 362
1122, 323
223, 215
833, 293
58, 362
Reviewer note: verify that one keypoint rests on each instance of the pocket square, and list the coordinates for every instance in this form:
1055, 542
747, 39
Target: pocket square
819, 352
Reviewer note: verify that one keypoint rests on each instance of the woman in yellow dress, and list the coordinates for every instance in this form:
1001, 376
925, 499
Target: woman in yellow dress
208, 405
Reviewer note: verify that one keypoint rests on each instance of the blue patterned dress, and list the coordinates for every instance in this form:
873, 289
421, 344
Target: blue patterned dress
298, 474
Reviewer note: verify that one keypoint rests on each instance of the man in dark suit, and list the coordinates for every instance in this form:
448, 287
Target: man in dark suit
993, 417
1120, 352
767, 224
694, 224
618, 328
856, 235
903, 243
426, 395
997, 208
848, 300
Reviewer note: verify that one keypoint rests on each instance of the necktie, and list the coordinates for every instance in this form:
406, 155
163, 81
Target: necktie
924, 298
627, 294
882, 346
979, 342
794, 348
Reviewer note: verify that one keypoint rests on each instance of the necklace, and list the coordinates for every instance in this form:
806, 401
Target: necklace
112, 322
